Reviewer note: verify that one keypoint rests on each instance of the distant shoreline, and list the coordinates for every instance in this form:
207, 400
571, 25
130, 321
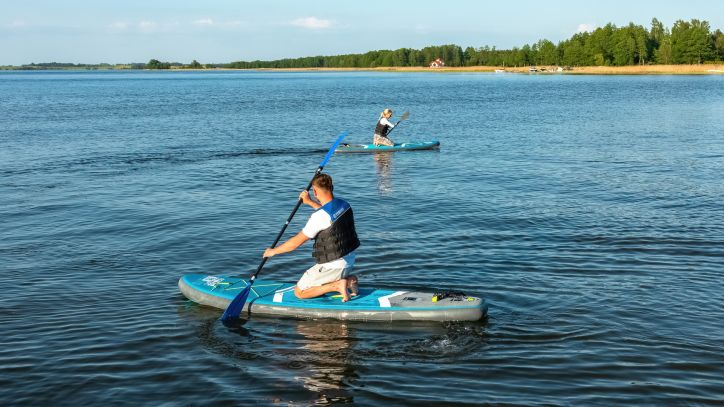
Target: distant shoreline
581, 70
701, 69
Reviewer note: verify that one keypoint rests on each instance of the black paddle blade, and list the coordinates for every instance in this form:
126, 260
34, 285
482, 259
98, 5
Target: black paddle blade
234, 309
405, 116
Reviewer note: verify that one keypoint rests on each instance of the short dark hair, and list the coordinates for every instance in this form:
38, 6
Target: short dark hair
323, 181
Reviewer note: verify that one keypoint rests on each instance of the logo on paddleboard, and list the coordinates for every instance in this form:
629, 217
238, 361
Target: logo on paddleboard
212, 281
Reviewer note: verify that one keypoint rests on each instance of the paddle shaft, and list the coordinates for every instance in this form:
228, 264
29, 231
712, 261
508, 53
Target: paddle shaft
299, 202
284, 228
236, 305
404, 117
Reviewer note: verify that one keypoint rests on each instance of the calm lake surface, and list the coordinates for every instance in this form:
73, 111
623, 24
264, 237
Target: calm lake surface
587, 210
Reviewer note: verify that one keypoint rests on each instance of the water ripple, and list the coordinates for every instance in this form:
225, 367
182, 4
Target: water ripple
597, 243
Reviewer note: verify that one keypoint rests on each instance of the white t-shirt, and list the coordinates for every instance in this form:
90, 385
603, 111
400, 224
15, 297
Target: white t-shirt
319, 221
387, 122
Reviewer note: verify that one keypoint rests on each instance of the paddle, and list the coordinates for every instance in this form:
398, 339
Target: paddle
237, 304
403, 117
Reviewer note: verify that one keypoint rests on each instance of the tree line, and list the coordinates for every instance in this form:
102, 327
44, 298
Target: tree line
156, 64
687, 42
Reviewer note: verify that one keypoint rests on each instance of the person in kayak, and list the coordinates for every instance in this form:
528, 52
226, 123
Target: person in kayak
335, 241
383, 127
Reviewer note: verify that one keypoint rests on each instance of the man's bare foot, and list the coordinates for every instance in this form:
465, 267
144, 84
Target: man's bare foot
352, 285
341, 286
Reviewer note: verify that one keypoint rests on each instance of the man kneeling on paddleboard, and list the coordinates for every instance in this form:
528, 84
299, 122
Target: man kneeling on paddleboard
335, 240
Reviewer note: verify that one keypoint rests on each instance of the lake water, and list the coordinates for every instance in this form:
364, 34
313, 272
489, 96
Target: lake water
587, 210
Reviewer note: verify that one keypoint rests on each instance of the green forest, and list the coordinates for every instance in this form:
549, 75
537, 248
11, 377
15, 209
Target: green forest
687, 42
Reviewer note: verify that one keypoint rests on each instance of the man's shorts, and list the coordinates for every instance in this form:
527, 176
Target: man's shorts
319, 274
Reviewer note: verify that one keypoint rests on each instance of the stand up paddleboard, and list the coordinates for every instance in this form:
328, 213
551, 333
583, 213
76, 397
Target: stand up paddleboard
277, 298
371, 148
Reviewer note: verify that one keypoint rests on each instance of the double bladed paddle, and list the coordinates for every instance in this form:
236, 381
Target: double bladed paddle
234, 309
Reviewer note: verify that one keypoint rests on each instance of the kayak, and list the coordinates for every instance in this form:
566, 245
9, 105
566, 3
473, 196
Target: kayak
371, 304
371, 148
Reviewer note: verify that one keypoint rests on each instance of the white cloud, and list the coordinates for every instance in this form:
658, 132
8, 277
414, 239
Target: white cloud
204, 21
585, 27
147, 26
17, 24
118, 26
210, 23
312, 23
152, 27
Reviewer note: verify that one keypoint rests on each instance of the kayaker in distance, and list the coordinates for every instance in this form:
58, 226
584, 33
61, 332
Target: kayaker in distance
383, 127
335, 241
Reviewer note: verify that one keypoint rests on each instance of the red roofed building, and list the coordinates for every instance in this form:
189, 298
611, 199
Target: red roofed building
438, 63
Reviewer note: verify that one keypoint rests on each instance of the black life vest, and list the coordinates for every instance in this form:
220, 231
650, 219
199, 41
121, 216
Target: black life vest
340, 239
382, 129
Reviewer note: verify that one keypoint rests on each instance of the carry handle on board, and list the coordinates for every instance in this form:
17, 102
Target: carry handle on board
237, 304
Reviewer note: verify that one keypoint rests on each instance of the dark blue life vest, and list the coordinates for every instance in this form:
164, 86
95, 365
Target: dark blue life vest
382, 129
340, 239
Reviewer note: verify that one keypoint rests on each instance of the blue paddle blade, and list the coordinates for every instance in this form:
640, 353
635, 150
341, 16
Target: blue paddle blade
236, 306
331, 150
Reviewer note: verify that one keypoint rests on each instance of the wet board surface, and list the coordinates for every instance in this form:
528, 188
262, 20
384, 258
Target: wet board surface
371, 148
277, 298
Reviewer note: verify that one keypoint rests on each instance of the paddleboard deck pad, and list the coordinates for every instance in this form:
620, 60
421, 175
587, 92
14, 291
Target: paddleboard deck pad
371, 304
371, 148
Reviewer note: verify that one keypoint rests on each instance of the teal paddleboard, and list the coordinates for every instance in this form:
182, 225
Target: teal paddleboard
372, 304
371, 148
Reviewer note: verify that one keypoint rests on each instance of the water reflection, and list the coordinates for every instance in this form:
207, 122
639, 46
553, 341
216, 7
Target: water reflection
315, 354
327, 348
383, 162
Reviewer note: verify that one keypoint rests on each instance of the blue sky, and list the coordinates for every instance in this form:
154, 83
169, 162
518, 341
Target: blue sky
225, 30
